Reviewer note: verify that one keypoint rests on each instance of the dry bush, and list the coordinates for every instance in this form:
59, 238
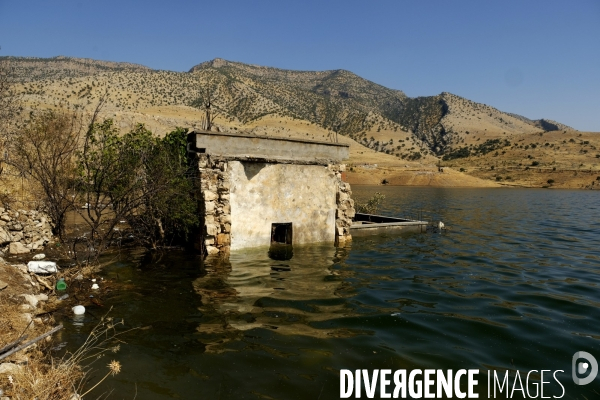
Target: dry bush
45, 150
44, 377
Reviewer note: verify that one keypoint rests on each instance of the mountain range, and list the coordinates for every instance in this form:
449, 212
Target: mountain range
383, 126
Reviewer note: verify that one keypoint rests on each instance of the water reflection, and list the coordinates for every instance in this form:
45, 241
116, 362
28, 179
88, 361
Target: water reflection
512, 286
252, 290
281, 252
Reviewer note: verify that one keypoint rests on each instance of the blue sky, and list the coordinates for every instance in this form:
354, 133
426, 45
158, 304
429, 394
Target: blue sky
540, 59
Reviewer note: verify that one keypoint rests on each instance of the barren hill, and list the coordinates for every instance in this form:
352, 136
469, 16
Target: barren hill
272, 101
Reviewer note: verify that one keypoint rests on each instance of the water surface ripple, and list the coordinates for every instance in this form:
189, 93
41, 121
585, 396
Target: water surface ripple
513, 284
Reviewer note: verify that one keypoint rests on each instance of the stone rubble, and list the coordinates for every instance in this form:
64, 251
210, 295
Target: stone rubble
23, 231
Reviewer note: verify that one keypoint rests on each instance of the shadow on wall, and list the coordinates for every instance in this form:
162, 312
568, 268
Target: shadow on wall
252, 169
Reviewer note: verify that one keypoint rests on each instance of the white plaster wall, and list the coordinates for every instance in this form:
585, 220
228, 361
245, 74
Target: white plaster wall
262, 194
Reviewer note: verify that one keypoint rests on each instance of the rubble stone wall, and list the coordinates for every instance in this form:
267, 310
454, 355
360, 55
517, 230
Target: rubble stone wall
345, 210
214, 206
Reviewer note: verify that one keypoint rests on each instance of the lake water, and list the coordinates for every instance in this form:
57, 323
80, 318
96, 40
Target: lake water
512, 285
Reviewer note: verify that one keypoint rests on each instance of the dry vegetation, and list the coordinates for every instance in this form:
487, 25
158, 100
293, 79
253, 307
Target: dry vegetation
36, 372
383, 126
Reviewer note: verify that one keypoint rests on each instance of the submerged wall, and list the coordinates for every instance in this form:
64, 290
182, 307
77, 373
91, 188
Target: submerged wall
263, 194
240, 200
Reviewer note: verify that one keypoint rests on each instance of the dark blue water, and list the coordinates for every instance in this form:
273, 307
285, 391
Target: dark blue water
512, 285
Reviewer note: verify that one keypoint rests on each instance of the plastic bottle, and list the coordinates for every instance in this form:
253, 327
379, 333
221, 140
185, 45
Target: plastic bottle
61, 284
79, 310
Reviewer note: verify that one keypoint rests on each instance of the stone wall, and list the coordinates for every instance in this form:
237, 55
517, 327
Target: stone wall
22, 231
344, 206
214, 206
239, 200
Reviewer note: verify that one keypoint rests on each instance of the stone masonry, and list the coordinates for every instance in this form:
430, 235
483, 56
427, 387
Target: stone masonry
215, 207
345, 206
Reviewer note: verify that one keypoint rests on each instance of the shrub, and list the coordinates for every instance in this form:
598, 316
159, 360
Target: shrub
370, 206
535, 163
550, 181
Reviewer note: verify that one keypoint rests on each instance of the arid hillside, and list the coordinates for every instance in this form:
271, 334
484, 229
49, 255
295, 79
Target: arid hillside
383, 126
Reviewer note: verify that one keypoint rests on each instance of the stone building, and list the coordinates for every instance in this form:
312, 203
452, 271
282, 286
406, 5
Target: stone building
258, 191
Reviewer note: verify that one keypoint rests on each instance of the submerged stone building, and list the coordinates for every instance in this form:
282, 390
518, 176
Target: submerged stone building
256, 191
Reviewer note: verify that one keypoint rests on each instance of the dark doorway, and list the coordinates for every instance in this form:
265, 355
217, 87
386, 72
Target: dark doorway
281, 233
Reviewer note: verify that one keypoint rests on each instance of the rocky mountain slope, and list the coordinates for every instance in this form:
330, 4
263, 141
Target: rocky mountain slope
336, 100
382, 125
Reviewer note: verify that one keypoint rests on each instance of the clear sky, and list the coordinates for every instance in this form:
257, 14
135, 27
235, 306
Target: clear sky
540, 59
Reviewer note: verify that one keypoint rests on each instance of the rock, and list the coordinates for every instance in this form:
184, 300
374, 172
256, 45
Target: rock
16, 227
22, 268
42, 297
17, 248
42, 267
3, 285
211, 250
5, 237
209, 207
25, 307
31, 299
9, 368
17, 237
40, 256
211, 229
210, 196
26, 317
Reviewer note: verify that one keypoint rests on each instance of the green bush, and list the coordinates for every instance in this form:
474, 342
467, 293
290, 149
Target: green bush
370, 206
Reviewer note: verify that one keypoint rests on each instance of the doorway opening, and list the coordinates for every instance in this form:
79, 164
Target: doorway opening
281, 233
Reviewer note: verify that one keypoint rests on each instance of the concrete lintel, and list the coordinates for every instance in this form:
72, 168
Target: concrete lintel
251, 147
275, 160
